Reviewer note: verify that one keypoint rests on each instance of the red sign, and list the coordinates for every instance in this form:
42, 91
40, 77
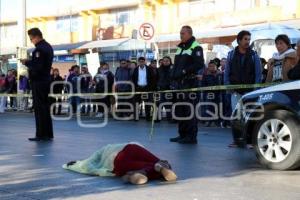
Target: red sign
146, 31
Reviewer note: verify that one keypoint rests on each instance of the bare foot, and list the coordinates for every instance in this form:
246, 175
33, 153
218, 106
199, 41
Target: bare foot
165, 171
168, 174
135, 178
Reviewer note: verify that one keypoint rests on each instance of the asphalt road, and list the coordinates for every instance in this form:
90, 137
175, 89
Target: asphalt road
207, 171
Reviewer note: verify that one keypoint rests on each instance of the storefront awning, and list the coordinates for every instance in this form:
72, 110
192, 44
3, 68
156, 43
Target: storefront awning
8, 50
103, 43
216, 32
69, 46
63, 47
222, 32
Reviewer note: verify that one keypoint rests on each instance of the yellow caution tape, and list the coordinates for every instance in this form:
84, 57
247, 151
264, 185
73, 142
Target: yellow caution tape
198, 89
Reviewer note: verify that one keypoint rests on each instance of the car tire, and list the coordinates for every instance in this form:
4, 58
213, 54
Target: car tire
276, 140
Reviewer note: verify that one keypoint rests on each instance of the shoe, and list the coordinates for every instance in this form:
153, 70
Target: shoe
172, 121
176, 139
135, 178
148, 119
233, 145
207, 124
35, 139
168, 174
217, 124
47, 139
165, 171
223, 125
162, 163
99, 115
188, 141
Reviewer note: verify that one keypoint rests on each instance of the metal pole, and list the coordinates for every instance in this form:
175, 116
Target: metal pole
156, 53
22, 39
22, 24
0, 27
70, 19
145, 49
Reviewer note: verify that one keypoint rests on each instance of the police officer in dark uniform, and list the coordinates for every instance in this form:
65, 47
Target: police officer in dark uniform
188, 61
39, 73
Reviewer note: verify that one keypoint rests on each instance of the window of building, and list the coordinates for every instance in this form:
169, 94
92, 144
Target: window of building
271, 2
9, 33
118, 17
225, 5
209, 6
123, 18
245, 4
107, 20
202, 7
195, 9
276, 2
67, 23
264, 3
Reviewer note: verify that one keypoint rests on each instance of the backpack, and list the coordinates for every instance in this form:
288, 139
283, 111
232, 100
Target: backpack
2, 84
2, 81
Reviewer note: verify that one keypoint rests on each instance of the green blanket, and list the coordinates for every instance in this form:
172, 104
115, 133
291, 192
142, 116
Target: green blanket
100, 163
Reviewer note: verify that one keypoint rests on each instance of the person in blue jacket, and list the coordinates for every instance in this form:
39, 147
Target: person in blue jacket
243, 66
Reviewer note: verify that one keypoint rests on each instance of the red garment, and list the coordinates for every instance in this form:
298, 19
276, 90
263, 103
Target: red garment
134, 157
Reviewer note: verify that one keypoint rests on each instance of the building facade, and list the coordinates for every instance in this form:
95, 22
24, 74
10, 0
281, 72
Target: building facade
70, 22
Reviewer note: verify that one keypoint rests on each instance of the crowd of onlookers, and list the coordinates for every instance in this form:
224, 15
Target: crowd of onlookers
8, 84
142, 77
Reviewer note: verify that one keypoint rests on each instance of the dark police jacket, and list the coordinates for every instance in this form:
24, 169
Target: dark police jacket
40, 64
188, 61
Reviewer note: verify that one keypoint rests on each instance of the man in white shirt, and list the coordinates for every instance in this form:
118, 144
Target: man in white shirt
142, 79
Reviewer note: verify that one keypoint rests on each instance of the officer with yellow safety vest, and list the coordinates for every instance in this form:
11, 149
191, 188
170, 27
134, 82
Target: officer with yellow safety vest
188, 61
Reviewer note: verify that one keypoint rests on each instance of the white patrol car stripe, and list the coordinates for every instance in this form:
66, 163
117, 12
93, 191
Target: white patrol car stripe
295, 85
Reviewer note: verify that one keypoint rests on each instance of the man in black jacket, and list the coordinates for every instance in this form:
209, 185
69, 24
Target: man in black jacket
294, 73
142, 79
123, 84
58, 87
188, 60
39, 73
163, 83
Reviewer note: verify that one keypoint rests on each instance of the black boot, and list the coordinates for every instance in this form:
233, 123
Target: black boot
188, 140
176, 139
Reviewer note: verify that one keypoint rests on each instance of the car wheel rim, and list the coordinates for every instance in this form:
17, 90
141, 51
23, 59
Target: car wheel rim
274, 140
